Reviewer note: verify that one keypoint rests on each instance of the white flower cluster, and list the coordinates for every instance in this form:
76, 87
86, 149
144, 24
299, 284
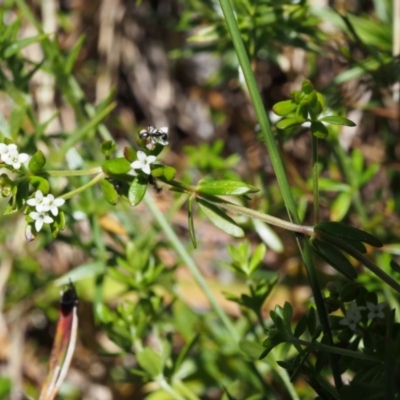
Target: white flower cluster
9, 155
353, 313
44, 205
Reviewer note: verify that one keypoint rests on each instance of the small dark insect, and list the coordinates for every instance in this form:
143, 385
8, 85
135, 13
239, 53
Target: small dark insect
154, 135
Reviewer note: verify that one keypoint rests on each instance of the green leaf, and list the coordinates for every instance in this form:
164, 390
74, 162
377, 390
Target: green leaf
37, 162
190, 220
108, 148
130, 154
73, 55
220, 219
312, 321
344, 231
301, 326
116, 166
18, 45
334, 257
319, 130
395, 266
349, 292
109, 192
40, 183
257, 258
284, 107
288, 122
224, 187
150, 361
137, 190
333, 119
340, 206
164, 172
251, 349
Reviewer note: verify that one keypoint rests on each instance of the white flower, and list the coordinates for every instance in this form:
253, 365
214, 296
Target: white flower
15, 159
143, 162
39, 202
5, 150
375, 311
40, 218
353, 316
52, 204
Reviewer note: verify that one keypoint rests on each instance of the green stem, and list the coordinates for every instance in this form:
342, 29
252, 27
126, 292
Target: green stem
335, 350
79, 172
269, 219
276, 161
194, 270
315, 173
80, 189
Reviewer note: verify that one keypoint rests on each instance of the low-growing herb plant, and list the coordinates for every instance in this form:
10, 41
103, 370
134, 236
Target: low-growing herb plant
346, 345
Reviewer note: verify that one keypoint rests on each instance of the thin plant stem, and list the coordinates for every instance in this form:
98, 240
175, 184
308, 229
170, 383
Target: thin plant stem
82, 188
269, 219
194, 270
78, 172
315, 173
283, 183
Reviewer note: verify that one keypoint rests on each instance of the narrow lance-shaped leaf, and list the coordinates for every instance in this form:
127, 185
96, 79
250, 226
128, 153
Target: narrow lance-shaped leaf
224, 187
334, 257
220, 219
190, 221
333, 119
63, 346
344, 231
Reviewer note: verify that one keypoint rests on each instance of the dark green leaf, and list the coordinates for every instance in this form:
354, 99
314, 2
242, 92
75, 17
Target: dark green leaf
301, 326
37, 162
73, 55
224, 187
349, 292
319, 130
137, 190
116, 166
190, 220
395, 266
312, 321
332, 119
220, 219
109, 192
334, 257
344, 231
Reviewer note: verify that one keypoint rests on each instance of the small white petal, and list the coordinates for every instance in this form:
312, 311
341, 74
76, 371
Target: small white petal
59, 201
136, 164
12, 147
146, 169
54, 210
22, 157
38, 224
151, 159
164, 129
34, 215
3, 148
141, 156
47, 219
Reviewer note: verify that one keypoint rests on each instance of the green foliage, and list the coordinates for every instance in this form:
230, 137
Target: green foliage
176, 345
